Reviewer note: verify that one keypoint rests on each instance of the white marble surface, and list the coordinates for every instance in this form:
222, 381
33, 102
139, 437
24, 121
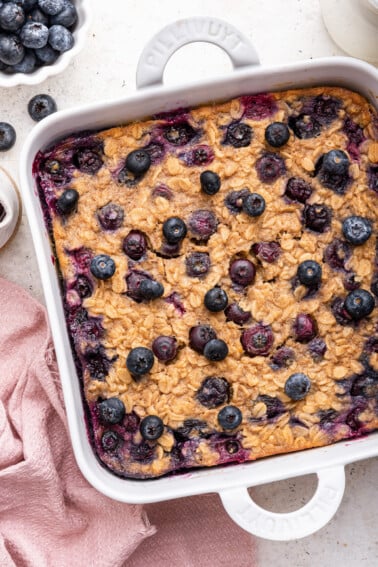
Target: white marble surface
282, 31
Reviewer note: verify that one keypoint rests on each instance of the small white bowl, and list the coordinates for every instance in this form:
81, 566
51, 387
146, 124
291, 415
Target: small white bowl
42, 73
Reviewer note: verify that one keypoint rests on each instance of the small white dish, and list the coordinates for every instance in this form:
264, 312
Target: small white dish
10, 207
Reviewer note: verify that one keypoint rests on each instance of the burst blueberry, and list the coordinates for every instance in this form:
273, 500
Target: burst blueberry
257, 340
199, 336
151, 427
135, 244
67, 202
215, 350
150, 289
7, 136
309, 273
110, 216
179, 134
357, 230
304, 126
230, 417
111, 410
40, 106
254, 204
305, 328
283, 357
164, 348
337, 254
237, 315
110, 441
234, 200
238, 135
332, 170
210, 182
199, 155
267, 251
197, 264
139, 361
297, 386
202, 224
88, 160
277, 134
242, 272
102, 267
297, 189
174, 230
216, 299
270, 167
83, 286
317, 217
317, 348
138, 162
213, 392
359, 304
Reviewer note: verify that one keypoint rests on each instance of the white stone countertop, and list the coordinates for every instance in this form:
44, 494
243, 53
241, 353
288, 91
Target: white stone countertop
282, 31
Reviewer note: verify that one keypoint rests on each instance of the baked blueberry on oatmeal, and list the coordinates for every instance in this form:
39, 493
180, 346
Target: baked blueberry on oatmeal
219, 271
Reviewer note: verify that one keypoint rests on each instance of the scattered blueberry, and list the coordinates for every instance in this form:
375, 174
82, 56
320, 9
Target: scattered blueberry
267, 251
317, 348
230, 417
254, 204
372, 173
234, 200
110, 441
88, 160
139, 361
238, 135
51, 7
337, 254
7, 136
332, 170
236, 314
60, 38
216, 299
297, 189
179, 134
210, 182
110, 216
67, 202
297, 386
357, 230
283, 357
213, 392
270, 167
164, 348
317, 217
66, 17
11, 49
305, 328
174, 230
304, 126
197, 264
150, 289
257, 340
111, 410
242, 272
34, 35
202, 224
41, 106
138, 162
102, 267
215, 350
199, 155
12, 17
199, 336
359, 304
277, 134
151, 427
309, 273
27, 64
135, 244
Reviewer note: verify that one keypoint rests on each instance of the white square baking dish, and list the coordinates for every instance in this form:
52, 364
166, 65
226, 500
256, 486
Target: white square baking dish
248, 77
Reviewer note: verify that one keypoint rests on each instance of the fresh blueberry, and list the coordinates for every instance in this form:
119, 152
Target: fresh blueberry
164, 348
238, 135
102, 267
234, 200
357, 230
317, 217
304, 126
283, 357
297, 386
210, 182
83, 286
11, 49
197, 264
359, 304
317, 348
34, 35
257, 340
242, 272
138, 162
67, 202
305, 328
135, 244
12, 17
110, 441
199, 155
254, 205
215, 350
179, 134
309, 273
27, 65
151, 427
67, 17
337, 254
230, 417
174, 230
372, 174
202, 224
7, 136
88, 160
297, 189
41, 106
139, 361
199, 336
60, 38
216, 299
51, 7
332, 170
277, 134
110, 216
36, 15
267, 251
270, 167
150, 289
111, 410
237, 315
213, 392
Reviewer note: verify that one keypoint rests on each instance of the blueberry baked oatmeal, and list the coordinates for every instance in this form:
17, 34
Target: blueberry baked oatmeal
219, 269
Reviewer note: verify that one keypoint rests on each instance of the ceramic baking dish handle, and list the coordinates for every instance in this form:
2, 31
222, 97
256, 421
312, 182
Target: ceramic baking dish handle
163, 45
292, 525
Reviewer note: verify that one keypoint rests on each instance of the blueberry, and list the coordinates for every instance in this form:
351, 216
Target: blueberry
199, 336
297, 189
337, 254
202, 224
111, 410
162, 191
11, 49
305, 328
317, 217
304, 126
238, 135
359, 304
297, 386
67, 202
138, 162
270, 167
40, 106
234, 200
67, 17
237, 315
274, 406
102, 267
60, 38
26, 5
83, 286
151, 427
332, 170
216, 299
135, 244
213, 392
283, 357
139, 361
267, 251
51, 7
277, 134
150, 289
36, 15
199, 155
47, 55
34, 35
164, 348
197, 264
142, 452
372, 174
7, 136
254, 205
309, 273
215, 350
27, 65
97, 362
242, 272
12, 17
110, 441
88, 160
169, 250
259, 106
179, 134
350, 282
57, 172
325, 108
340, 313
110, 216
174, 230
317, 348
230, 417
210, 182
357, 230
257, 340
156, 151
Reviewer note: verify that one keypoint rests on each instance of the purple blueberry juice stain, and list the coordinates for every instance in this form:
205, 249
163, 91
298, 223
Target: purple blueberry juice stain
274, 407
156, 151
324, 108
97, 362
337, 254
196, 156
355, 135
259, 106
175, 300
229, 448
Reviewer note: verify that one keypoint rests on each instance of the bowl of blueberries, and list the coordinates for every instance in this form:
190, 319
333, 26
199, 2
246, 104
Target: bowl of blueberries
39, 38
